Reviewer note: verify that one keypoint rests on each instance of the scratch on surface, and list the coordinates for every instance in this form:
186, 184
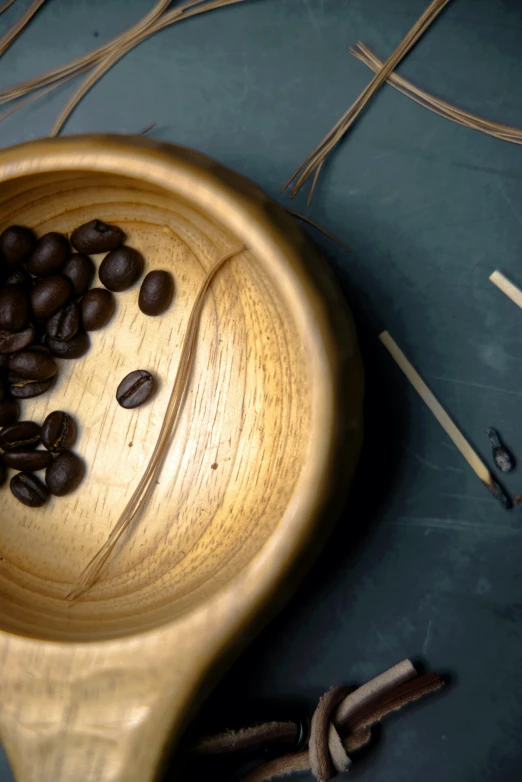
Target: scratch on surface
456, 525
312, 16
420, 459
427, 639
474, 385
508, 202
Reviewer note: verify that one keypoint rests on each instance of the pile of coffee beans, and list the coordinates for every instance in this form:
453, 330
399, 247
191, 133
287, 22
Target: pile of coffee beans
63, 469
47, 309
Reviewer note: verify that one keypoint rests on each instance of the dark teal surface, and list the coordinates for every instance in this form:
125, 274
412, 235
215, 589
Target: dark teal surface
425, 564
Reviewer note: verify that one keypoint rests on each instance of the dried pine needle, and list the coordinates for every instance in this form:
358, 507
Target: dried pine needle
148, 481
78, 65
104, 57
320, 228
119, 50
15, 30
6, 6
471, 456
311, 165
437, 105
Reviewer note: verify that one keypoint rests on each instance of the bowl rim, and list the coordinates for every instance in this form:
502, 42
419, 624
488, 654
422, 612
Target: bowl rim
264, 226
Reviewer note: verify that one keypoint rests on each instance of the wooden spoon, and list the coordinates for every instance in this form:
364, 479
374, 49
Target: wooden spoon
258, 467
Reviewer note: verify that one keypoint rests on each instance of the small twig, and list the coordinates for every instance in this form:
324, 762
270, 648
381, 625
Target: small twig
471, 456
318, 227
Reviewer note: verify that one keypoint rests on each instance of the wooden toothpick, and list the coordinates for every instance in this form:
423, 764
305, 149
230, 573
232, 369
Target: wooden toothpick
471, 456
507, 287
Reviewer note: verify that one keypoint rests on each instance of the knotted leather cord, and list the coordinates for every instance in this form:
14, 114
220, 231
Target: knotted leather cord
341, 724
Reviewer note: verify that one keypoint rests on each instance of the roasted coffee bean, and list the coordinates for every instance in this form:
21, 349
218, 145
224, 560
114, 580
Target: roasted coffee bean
27, 460
48, 295
24, 434
97, 237
58, 431
29, 489
73, 348
19, 276
16, 244
97, 307
79, 270
156, 292
65, 323
27, 389
64, 474
14, 307
135, 389
32, 365
121, 268
49, 255
11, 341
9, 411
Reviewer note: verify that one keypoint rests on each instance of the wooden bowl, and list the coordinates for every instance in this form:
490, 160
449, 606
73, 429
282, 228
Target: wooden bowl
264, 451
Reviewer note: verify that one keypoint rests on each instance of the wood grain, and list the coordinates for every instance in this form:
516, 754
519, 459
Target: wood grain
266, 444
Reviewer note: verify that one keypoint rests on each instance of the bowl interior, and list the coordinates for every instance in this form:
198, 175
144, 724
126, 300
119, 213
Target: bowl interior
238, 450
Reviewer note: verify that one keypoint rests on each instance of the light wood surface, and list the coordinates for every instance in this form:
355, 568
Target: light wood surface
506, 286
264, 451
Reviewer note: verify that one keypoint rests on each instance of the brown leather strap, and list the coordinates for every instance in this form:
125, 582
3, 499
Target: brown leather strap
341, 724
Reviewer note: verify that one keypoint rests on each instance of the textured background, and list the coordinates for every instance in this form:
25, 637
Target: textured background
425, 563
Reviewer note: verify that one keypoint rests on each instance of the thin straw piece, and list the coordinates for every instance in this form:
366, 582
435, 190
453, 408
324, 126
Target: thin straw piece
15, 30
507, 287
145, 487
437, 105
471, 456
318, 155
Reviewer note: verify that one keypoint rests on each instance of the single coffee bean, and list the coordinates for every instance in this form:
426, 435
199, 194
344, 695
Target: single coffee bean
64, 474
29, 489
32, 365
121, 268
73, 348
156, 292
9, 411
17, 244
49, 255
48, 295
11, 341
21, 388
79, 270
58, 431
14, 307
97, 237
19, 276
28, 460
24, 434
64, 324
97, 307
135, 389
